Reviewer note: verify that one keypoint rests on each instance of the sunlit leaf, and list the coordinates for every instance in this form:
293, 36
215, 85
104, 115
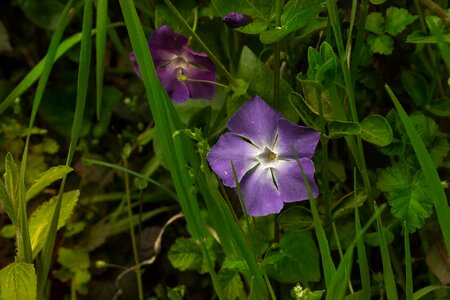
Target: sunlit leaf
18, 282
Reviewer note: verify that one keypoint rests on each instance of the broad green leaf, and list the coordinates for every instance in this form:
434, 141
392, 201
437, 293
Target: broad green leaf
44, 13
295, 218
6, 204
398, 144
305, 113
382, 44
408, 195
296, 261
375, 129
8, 231
75, 265
296, 14
18, 282
39, 223
337, 129
439, 107
260, 78
12, 184
397, 19
186, 254
241, 90
416, 86
315, 92
45, 179
373, 239
439, 150
322, 65
232, 285
348, 203
375, 23
426, 127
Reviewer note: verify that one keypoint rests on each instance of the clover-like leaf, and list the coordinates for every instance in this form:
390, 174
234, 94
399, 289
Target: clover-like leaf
397, 19
382, 44
375, 23
408, 195
186, 254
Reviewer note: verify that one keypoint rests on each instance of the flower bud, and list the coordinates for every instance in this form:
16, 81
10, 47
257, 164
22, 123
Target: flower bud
235, 20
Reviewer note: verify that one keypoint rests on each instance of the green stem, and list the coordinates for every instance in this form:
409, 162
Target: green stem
437, 10
132, 234
408, 262
277, 50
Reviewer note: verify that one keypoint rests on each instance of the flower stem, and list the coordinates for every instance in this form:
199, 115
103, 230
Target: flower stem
132, 234
205, 81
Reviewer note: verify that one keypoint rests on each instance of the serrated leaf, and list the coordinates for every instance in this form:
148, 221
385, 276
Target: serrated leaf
409, 197
297, 260
439, 107
375, 129
439, 150
296, 14
397, 19
382, 44
295, 218
232, 285
40, 220
426, 127
185, 254
338, 129
12, 183
45, 179
375, 23
416, 86
75, 267
6, 204
18, 282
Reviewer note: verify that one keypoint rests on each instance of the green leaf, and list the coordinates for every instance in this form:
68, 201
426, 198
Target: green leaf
186, 254
348, 203
47, 178
373, 238
375, 129
409, 198
305, 113
296, 14
12, 184
6, 204
18, 282
241, 90
75, 267
232, 285
375, 23
44, 13
295, 218
398, 144
296, 261
260, 78
439, 107
337, 129
397, 19
377, 2
426, 127
419, 37
39, 223
322, 66
439, 150
315, 92
382, 44
416, 86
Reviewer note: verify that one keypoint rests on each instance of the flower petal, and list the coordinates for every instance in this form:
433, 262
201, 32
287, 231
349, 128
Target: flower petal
176, 89
303, 139
290, 181
200, 89
231, 147
256, 121
199, 58
164, 41
260, 194
134, 64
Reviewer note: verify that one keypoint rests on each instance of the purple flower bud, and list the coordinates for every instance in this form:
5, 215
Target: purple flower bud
183, 72
235, 20
260, 144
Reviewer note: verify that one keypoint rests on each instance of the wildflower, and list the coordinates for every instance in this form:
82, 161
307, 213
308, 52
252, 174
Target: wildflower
260, 144
183, 72
235, 20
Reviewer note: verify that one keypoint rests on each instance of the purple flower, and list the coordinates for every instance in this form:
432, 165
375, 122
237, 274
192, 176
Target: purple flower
179, 68
235, 20
260, 145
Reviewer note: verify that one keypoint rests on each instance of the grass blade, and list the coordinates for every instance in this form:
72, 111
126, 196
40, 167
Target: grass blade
82, 84
100, 43
362, 259
429, 170
408, 263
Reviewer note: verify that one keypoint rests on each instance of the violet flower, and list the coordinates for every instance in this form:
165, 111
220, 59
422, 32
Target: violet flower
260, 145
179, 68
235, 20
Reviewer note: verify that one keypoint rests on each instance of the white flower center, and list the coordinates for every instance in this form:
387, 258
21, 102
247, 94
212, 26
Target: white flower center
267, 158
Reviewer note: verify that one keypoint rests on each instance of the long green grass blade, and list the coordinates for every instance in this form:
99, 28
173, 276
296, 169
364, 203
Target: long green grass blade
362, 259
429, 170
100, 43
428, 289
178, 149
408, 263
388, 273
82, 84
